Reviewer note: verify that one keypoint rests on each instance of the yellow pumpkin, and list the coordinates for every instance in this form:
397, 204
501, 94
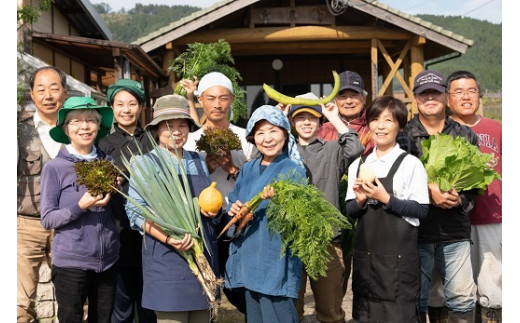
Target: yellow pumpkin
210, 199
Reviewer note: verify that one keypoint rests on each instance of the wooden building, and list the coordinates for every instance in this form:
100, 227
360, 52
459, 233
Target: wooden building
72, 37
294, 45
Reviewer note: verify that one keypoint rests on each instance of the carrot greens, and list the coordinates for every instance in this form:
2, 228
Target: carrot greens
306, 222
200, 59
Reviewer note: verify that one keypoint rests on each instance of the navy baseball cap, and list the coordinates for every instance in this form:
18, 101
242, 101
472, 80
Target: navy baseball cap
352, 81
429, 80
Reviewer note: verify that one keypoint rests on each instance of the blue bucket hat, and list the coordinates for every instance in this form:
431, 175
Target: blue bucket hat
82, 103
276, 117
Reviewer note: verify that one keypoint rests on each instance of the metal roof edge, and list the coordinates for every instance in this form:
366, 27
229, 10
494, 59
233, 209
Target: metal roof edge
96, 18
419, 21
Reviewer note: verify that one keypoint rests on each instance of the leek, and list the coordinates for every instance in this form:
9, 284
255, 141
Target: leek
171, 207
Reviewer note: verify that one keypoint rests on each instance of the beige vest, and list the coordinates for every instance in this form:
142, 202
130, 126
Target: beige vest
31, 158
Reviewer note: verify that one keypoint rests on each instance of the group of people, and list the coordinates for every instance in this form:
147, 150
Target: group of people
418, 251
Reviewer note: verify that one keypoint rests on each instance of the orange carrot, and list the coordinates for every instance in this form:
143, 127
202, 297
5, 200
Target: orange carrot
242, 224
243, 211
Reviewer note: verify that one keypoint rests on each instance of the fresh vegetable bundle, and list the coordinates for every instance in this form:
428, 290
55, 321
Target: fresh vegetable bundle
200, 59
303, 217
216, 141
98, 176
171, 207
456, 163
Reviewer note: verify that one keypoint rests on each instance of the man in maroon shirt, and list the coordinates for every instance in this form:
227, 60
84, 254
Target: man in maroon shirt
486, 216
351, 101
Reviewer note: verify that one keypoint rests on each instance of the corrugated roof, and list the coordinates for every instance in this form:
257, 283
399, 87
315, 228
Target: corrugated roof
422, 22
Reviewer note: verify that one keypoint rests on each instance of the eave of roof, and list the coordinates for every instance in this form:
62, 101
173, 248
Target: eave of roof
97, 52
82, 15
379, 10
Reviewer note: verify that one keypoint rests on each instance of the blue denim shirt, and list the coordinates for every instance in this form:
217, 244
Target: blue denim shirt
254, 258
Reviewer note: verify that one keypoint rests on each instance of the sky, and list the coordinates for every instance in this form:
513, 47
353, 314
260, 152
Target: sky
490, 10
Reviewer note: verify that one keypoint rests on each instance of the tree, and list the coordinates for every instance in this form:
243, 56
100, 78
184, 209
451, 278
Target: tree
27, 14
102, 7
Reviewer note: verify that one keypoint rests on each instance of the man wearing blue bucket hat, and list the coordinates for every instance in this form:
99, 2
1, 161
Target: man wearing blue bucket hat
326, 162
85, 248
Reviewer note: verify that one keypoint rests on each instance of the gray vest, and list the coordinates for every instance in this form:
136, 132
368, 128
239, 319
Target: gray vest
31, 158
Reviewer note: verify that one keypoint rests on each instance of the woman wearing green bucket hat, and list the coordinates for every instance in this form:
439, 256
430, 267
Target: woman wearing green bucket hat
85, 248
127, 98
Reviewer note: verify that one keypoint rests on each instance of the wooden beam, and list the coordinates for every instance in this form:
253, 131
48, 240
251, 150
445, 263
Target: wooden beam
308, 15
374, 69
394, 68
417, 65
292, 34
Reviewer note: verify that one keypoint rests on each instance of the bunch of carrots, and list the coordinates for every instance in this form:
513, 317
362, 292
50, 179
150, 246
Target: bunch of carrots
244, 216
300, 214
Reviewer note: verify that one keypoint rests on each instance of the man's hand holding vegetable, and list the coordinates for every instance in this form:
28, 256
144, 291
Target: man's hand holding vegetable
444, 199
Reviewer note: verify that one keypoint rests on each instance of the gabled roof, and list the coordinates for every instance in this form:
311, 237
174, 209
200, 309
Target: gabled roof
82, 15
190, 23
378, 10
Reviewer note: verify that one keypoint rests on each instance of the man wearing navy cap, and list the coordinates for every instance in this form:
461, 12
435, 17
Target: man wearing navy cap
444, 236
351, 100
325, 163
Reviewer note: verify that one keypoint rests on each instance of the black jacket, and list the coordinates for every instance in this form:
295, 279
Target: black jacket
442, 225
117, 144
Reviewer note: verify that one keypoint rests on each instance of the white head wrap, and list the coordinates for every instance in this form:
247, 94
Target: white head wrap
213, 79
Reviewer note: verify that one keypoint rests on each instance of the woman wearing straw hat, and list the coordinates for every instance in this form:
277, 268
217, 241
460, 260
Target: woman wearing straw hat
169, 286
85, 249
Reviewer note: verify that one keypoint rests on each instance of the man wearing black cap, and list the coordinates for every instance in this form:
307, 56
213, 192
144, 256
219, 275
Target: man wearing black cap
444, 236
351, 101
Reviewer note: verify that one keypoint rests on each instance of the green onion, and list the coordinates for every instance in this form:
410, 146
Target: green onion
171, 207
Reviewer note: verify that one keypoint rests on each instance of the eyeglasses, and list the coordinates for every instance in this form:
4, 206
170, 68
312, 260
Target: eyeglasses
460, 93
78, 122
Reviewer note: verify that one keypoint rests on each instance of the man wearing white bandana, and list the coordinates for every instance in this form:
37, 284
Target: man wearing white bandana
215, 94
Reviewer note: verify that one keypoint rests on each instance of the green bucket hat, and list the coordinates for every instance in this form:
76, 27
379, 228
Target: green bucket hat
82, 103
131, 86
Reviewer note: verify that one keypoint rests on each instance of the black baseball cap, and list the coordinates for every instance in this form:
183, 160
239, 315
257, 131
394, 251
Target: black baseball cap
352, 81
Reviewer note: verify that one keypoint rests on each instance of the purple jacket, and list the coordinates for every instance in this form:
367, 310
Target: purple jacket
86, 240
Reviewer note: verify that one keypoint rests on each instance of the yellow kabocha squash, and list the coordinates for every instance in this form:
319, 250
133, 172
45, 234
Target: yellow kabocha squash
210, 199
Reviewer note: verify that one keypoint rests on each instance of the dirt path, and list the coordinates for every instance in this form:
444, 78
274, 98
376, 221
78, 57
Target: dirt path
229, 314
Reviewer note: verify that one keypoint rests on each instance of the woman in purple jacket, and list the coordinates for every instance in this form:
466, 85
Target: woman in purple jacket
85, 248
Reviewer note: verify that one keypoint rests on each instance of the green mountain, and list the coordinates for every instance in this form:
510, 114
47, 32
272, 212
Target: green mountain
484, 59
141, 20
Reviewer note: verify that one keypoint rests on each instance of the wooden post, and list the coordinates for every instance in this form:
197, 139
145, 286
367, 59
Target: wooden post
416, 64
374, 68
